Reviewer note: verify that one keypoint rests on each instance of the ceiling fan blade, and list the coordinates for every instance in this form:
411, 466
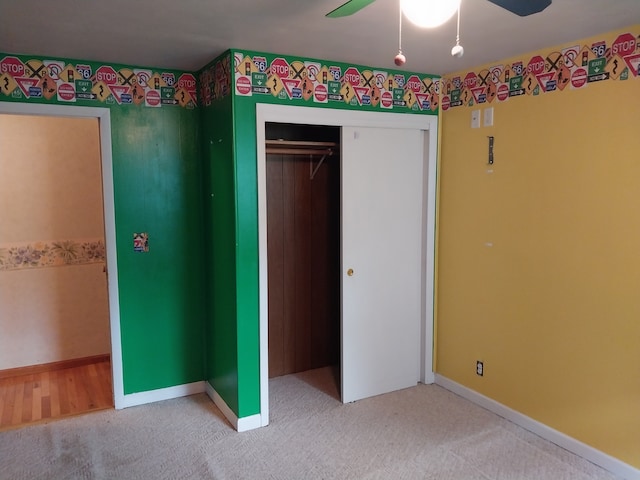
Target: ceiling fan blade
523, 7
349, 8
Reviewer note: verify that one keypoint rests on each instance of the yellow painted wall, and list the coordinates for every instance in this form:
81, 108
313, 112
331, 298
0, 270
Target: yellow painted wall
552, 308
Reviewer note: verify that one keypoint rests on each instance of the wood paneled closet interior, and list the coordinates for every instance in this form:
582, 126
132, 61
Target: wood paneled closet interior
303, 246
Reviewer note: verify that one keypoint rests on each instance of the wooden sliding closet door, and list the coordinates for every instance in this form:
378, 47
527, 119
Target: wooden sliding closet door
303, 242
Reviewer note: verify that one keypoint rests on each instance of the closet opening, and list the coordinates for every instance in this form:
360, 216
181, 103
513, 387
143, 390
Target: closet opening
303, 252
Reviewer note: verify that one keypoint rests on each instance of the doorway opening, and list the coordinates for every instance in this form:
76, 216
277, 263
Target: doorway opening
108, 364
303, 237
55, 352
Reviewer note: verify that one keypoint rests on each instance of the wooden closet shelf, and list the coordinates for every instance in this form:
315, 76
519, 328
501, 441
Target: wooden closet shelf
296, 147
299, 144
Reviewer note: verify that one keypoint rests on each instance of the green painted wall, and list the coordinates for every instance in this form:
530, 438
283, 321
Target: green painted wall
233, 334
247, 258
157, 186
196, 197
220, 241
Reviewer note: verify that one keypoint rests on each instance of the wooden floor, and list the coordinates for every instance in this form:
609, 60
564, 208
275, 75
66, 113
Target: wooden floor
43, 396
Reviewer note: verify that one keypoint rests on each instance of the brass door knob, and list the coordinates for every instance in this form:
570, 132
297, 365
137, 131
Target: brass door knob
350, 272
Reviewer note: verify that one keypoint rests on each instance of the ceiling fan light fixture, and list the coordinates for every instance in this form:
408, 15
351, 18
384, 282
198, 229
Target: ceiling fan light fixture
429, 13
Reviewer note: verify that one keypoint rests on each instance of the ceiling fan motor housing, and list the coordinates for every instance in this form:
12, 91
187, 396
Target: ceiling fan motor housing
523, 8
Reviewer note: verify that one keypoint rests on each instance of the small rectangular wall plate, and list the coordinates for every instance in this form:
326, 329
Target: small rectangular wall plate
488, 117
475, 119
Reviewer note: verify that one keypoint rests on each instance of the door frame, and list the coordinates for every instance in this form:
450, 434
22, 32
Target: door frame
333, 117
104, 124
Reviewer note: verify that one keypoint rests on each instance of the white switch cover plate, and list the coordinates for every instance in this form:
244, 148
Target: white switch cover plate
488, 117
475, 119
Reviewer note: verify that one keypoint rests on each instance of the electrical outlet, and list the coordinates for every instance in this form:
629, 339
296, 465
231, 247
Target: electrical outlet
479, 368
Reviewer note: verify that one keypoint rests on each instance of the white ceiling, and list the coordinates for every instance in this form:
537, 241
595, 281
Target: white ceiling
187, 34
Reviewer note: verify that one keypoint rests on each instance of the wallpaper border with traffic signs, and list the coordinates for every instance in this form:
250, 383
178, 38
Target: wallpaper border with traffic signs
275, 78
611, 57
29, 78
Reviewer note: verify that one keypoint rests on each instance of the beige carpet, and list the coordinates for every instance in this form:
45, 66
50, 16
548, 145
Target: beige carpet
423, 432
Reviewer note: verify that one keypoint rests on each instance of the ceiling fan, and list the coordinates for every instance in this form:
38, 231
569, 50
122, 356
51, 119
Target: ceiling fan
519, 7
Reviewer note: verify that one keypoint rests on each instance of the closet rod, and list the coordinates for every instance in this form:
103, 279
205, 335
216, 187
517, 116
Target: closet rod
299, 143
298, 151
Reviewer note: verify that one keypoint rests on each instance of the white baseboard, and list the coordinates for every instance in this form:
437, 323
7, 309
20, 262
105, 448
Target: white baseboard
429, 378
613, 465
240, 424
160, 394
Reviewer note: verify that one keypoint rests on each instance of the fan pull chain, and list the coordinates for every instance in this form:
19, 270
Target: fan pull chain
400, 59
457, 50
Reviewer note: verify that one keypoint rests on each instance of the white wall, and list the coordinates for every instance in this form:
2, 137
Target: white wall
55, 306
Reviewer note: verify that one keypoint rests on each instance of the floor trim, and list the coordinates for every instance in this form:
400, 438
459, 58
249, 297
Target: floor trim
612, 464
240, 424
141, 398
51, 366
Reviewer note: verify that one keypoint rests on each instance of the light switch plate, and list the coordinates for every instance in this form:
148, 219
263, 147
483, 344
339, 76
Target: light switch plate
475, 119
488, 117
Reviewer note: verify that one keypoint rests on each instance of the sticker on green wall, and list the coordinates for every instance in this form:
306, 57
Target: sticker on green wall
141, 242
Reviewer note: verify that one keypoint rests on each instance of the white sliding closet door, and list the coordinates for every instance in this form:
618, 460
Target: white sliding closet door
382, 181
